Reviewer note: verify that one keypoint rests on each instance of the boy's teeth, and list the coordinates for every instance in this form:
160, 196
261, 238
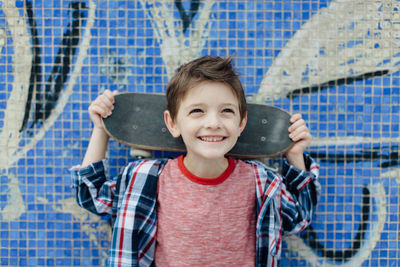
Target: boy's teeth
211, 139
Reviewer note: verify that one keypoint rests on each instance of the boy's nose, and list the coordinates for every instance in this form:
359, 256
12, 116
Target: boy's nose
212, 121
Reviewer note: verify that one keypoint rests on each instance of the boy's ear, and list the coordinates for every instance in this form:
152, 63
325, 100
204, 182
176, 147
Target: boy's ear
171, 125
242, 124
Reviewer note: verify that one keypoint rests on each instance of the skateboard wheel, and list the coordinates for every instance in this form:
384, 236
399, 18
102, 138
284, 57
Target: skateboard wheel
140, 153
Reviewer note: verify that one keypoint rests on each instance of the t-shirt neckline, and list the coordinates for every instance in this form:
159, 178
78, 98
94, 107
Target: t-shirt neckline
207, 181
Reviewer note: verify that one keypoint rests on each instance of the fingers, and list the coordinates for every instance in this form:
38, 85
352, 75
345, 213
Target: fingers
106, 100
103, 105
295, 117
96, 109
299, 130
301, 136
297, 122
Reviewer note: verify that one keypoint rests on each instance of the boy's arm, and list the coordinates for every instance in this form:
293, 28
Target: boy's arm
301, 179
299, 195
97, 147
296, 161
100, 108
93, 190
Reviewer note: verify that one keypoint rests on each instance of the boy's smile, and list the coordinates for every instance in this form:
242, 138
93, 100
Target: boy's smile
211, 138
208, 120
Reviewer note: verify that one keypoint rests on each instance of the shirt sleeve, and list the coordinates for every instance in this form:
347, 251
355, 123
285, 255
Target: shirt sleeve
94, 191
299, 195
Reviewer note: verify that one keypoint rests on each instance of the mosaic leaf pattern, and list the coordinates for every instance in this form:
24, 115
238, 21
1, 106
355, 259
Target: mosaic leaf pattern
337, 62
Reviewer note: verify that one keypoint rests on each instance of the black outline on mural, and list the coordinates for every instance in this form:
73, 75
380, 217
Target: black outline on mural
388, 155
61, 67
187, 19
60, 75
337, 82
36, 73
310, 236
389, 159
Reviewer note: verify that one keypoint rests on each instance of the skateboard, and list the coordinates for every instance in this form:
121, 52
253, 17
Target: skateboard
138, 121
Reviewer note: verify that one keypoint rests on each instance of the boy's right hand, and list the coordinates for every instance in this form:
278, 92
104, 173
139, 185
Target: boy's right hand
102, 107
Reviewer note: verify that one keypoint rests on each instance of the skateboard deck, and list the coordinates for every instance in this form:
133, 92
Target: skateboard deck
138, 121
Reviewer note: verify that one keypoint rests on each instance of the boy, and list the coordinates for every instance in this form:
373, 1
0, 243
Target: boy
203, 208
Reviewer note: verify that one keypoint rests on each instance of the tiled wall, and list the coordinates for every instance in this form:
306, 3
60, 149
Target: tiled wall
336, 62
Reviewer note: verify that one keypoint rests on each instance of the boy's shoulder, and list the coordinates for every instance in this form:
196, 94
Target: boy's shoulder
259, 165
161, 162
152, 166
148, 162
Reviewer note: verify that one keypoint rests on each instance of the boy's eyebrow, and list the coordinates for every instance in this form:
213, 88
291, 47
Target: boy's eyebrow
192, 106
201, 105
204, 104
230, 104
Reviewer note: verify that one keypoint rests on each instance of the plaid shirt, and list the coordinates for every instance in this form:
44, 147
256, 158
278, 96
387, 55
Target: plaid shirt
284, 206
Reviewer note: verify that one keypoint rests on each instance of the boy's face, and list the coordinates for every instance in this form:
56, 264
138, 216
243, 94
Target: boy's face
208, 119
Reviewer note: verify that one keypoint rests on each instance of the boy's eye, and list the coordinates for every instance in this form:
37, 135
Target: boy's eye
228, 110
196, 110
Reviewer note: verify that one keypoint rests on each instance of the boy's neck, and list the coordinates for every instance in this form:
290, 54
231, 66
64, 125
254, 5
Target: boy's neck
206, 168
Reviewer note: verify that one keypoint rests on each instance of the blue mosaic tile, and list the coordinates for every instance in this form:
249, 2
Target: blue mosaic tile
256, 35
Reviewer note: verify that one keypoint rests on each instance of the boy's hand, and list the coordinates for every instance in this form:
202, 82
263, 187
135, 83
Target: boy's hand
102, 108
300, 135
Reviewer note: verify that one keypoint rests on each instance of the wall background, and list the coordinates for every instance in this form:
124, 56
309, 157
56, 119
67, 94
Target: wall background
336, 62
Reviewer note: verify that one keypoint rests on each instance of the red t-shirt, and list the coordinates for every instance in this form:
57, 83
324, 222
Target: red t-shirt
206, 222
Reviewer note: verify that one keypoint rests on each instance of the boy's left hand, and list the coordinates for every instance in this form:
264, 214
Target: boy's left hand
300, 135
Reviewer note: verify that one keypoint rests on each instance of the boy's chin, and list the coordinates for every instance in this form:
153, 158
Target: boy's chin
211, 151
214, 155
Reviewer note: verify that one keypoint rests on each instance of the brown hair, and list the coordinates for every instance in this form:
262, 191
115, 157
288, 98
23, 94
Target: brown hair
206, 68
